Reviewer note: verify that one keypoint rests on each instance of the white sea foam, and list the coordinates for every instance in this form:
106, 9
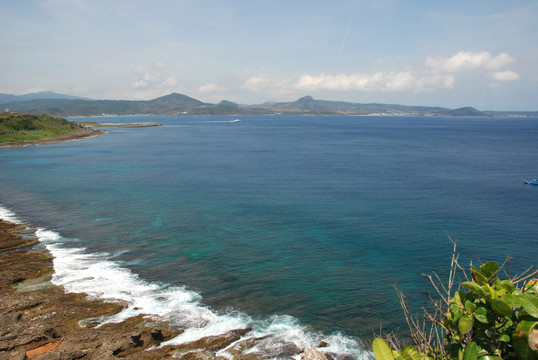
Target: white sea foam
99, 276
8, 215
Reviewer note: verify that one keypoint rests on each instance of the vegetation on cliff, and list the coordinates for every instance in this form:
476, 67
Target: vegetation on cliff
480, 316
23, 127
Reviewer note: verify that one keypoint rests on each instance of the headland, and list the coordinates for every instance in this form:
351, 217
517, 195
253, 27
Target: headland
26, 129
78, 134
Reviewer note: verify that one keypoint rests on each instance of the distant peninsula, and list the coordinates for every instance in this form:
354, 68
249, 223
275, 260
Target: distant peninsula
28, 129
179, 104
119, 125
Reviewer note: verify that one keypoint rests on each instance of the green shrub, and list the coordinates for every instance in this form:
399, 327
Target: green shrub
486, 318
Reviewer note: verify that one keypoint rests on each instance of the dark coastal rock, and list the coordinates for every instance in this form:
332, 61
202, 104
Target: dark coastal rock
136, 338
157, 334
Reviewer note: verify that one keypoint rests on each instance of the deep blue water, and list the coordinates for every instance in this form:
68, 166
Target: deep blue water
313, 217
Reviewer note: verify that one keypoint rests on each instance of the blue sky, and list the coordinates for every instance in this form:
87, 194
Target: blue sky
436, 53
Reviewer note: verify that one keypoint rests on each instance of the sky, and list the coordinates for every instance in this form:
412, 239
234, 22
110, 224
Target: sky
455, 53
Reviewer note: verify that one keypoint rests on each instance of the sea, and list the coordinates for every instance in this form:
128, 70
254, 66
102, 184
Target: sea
298, 227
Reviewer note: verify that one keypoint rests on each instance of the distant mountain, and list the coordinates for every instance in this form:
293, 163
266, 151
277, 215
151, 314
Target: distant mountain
307, 105
175, 98
466, 111
172, 104
179, 104
5, 98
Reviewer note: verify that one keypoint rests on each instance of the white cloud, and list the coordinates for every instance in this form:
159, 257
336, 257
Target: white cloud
169, 82
428, 82
154, 82
257, 83
507, 75
140, 84
151, 80
211, 87
36, 89
380, 81
467, 61
438, 73
367, 82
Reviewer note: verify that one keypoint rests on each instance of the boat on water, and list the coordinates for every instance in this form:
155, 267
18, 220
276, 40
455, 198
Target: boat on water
532, 182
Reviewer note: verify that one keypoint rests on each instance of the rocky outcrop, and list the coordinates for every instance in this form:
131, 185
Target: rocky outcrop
311, 353
39, 321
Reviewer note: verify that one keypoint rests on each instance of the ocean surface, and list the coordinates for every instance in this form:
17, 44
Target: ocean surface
297, 226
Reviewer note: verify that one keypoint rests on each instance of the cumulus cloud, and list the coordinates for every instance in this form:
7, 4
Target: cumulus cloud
380, 81
152, 80
169, 82
257, 83
438, 73
507, 75
368, 82
478, 62
140, 84
211, 87
467, 61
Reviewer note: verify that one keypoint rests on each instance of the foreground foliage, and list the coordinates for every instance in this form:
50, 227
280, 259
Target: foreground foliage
485, 318
21, 127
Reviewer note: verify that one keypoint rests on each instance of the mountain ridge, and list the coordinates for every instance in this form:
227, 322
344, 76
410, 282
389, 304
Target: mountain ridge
180, 104
6, 98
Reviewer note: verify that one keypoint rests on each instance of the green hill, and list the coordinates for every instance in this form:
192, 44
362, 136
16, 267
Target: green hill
179, 104
21, 127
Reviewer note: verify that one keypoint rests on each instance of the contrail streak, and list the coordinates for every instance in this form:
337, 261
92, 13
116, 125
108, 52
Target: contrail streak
347, 31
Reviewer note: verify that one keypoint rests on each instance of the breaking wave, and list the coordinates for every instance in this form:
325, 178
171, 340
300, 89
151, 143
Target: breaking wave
102, 277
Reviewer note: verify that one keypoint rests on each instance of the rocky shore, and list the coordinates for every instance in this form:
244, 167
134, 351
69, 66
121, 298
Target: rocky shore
39, 321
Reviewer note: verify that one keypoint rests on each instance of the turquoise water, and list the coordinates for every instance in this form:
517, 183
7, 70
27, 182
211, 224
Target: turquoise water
311, 217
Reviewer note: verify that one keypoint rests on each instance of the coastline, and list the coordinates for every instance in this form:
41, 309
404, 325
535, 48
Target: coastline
40, 320
81, 133
85, 130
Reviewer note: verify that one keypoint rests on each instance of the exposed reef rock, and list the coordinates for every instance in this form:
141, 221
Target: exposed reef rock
39, 321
